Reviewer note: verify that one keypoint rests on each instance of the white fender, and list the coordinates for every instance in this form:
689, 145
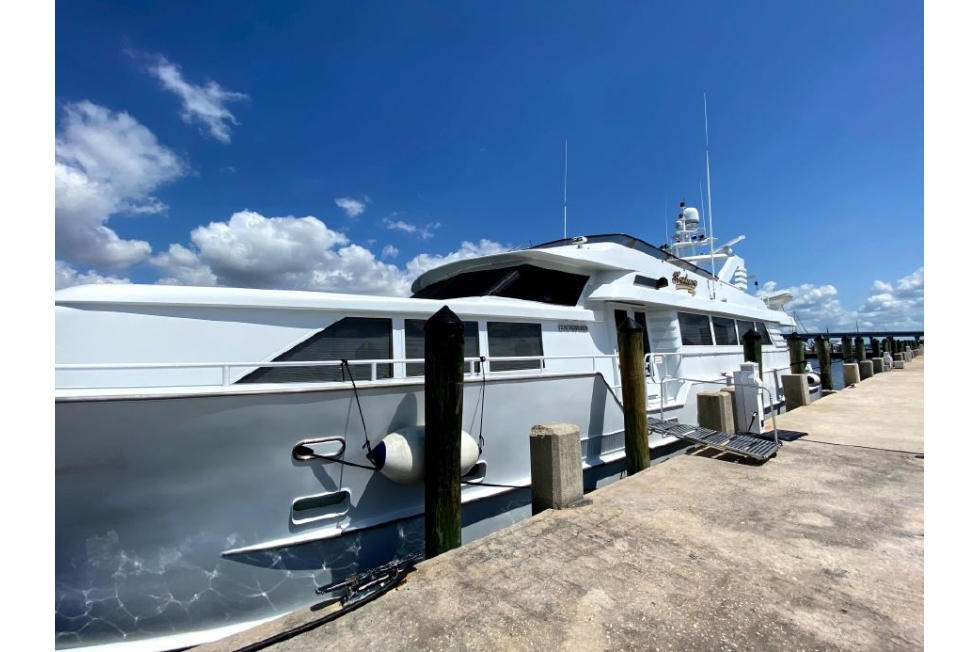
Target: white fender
401, 454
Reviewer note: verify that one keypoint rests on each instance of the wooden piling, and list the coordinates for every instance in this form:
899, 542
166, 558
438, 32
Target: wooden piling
875, 347
823, 357
797, 353
443, 431
634, 396
847, 349
861, 354
752, 348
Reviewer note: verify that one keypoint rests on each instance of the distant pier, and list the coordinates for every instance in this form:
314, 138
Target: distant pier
821, 547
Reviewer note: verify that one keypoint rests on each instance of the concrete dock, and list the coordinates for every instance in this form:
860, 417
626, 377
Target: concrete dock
820, 548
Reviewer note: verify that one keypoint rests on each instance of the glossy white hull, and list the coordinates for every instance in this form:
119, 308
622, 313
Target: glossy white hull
177, 512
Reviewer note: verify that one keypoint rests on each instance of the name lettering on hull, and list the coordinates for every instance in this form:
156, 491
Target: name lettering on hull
685, 283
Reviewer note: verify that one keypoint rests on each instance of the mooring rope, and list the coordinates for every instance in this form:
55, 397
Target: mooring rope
367, 442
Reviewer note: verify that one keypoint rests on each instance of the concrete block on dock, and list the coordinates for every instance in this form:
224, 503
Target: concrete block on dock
900, 363
796, 390
852, 374
715, 411
878, 364
556, 466
866, 369
731, 394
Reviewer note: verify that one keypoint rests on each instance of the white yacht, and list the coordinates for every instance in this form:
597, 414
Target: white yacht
212, 444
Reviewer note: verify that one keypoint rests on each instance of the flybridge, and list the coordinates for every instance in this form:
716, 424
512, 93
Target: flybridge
630, 242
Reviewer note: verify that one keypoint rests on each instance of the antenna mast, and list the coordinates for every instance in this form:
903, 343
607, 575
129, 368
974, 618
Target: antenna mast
564, 219
707, 164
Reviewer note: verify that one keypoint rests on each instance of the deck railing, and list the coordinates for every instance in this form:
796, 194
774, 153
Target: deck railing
224, 371
663, 370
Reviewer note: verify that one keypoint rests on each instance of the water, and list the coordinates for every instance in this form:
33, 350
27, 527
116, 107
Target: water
836, 372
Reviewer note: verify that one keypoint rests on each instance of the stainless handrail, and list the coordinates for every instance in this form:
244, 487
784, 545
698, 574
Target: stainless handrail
226, 367
726, 383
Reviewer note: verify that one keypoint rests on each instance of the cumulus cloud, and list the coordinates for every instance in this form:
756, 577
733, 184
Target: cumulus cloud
106, 163
425, 262
352, 207
183, 267
888, 306
424, 232
66, 276
897, 306
251, 250
201, 104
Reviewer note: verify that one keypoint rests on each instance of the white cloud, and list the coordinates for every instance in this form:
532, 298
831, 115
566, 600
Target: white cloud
399, 225
897, 306
425, 262
389, 252
205, 104
251, 250
106, 164
352, 207
889, 306
66, 276
423, 232
183, 267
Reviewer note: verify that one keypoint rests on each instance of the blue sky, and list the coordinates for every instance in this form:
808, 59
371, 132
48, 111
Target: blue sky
348, 146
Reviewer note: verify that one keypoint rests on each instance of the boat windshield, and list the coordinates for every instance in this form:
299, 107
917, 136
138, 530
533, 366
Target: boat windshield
527, 282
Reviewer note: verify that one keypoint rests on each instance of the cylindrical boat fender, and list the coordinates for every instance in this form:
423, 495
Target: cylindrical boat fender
813, 379
400, 456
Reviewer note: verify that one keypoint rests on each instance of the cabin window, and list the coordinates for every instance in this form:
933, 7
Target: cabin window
351, 338
519, 282
415, 345
725, 333
745, 326
514, 340
695, 329
764, 329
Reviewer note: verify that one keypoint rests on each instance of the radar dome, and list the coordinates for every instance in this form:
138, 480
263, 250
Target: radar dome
690, 216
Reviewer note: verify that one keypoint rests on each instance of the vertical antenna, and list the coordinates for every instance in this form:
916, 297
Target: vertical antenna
666, 228
564, 222
701, 192
707, 164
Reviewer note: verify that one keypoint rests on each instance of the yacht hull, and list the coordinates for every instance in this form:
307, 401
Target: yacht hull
180, 514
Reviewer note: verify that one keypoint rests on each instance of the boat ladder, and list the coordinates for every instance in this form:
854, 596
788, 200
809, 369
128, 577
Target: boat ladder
742, 444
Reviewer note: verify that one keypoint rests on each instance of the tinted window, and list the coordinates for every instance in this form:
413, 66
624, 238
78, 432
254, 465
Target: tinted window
512, 340
725, 330
762, 328
351, 338
743, 328
520, 282
415, 345
695, 329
